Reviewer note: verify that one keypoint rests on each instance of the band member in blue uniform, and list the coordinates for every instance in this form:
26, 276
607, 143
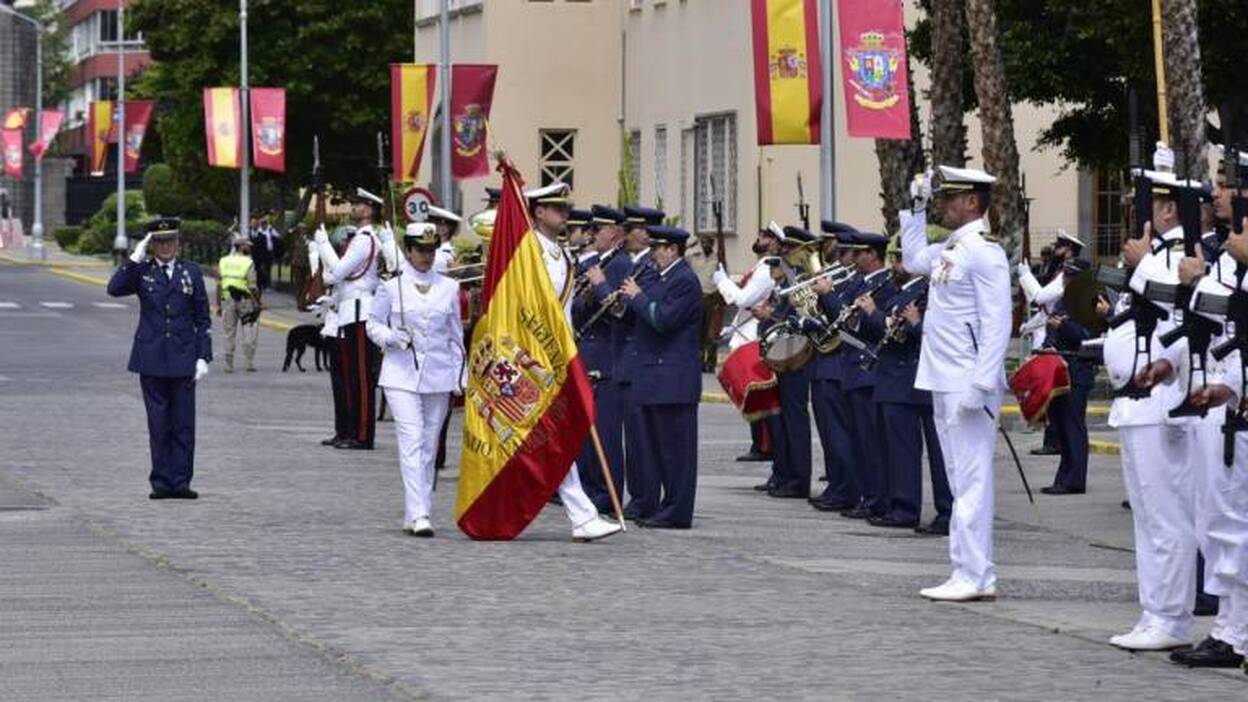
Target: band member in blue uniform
1068, 412
597, 345
668, 310
171, 352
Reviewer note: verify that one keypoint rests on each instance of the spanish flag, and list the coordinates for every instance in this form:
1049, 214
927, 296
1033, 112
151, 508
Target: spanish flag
99, 129
528, 406
788, 74
223, 127
411, 96
16, 118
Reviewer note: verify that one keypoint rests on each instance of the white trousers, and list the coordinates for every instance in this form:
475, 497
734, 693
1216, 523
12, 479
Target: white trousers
579, 508
967, 441
1222, 527
1156, 466
418, 421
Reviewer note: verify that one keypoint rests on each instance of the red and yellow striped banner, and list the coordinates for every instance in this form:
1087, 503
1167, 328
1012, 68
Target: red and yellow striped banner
223, 127
788, 73
411, 96
99, 131
528, 406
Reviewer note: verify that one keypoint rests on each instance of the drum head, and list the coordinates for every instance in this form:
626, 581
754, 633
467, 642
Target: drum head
785, 352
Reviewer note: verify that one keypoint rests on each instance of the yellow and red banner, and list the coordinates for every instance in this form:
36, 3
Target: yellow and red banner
49, 125
16, 117
411, 98
874, 68
788, 73
223, 127
12, 143
268, 128
100, 131
528, 406
138, 115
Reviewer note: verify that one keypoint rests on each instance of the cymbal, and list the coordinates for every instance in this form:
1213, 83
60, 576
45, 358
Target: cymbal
1081, 295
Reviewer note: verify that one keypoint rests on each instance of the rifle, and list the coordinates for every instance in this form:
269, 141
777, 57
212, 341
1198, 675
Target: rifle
717, 210
803, 207
314, 288
1235, 308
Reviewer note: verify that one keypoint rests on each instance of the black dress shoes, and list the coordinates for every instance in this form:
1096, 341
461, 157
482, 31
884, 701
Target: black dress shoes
892, 523
1210, 653
859, 512
1046, 451
830, 505
753, 457
652, 523
353, 445
1062, 490
331, 441
937, 527
765, 487
182, 494
789, 492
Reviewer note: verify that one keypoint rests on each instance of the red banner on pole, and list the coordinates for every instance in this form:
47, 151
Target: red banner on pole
873, 68
472, 91
13, 153
138, 114
100, 131
49, 125
268, 128
788, 74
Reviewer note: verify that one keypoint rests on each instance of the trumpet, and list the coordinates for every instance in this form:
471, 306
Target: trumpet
612, 303
836, 272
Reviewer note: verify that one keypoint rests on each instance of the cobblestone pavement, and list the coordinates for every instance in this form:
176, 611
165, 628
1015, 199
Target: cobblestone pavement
764, 599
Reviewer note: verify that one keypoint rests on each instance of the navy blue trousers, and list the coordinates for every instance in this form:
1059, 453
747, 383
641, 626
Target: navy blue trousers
1068, 416
170, 406
792, 439
639, 473
673, 455
833, 421
610, 430
869, 465
942, 496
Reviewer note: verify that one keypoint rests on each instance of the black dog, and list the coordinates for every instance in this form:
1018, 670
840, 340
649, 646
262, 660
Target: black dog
298, 339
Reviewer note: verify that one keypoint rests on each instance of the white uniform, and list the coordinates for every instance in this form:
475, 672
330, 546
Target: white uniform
579, 508
354, 276
444, 257
418, 380
962, 361
1044, 298
756, 288
1157, 459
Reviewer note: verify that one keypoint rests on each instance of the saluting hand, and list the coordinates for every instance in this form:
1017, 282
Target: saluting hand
630, 288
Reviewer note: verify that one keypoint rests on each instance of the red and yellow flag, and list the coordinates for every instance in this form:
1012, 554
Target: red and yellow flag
16, 118
528, 406
99, 129
223, 127
268, 128
788, 73
411, 96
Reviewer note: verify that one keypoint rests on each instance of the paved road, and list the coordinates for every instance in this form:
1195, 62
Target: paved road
764, 599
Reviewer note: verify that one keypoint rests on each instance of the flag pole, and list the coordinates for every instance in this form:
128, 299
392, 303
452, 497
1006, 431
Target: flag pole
244, 180
827, 136
606, 475
445, 31
120, 242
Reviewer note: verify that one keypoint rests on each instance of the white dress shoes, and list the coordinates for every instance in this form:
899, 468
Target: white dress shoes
419, 527
595, 529
1148, 638
956, 590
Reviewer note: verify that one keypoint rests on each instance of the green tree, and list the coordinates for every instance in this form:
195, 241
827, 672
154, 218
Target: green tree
332, 58
56, 65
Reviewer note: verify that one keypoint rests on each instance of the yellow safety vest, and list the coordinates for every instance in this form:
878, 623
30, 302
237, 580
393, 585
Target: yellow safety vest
233, 270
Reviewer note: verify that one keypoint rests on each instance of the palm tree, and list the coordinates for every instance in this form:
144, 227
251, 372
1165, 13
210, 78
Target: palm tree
948, 129
1185, 94
996, 121
899, 161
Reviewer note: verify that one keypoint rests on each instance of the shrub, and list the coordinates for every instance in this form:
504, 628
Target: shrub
67, 237
97, 236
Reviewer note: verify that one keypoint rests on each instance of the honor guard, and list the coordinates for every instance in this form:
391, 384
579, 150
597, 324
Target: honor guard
447, 224
238, 302
1067, 412
355, 276
549, 207
668, 385
962, 362
415, 317
171, 352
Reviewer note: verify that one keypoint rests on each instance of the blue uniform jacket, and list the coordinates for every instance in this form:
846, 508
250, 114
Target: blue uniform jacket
1070, 337
596, 343
855, 376
668, 328
624, 340
832, 366
898, 361
175, 328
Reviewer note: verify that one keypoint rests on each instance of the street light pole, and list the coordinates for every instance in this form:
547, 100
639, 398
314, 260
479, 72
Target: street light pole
120, 243
37, 250
244, 182
448, 200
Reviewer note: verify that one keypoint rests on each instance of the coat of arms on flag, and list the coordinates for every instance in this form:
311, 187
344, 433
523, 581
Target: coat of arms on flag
512, 382
469, 131
269, 136
874, 66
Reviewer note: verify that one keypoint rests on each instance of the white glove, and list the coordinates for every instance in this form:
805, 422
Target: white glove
1163, 158
321, 237
140, 250
720, 275
920, 192
402, 339
314, 259
971, 401
385, 233
1022, 268
201, 370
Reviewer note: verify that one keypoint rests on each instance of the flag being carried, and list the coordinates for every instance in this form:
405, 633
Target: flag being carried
528, 405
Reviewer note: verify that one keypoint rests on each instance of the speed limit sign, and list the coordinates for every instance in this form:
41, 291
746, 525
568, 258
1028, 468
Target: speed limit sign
416, 204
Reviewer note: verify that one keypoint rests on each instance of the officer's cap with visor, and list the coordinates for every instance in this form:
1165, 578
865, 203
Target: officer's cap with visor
643, 216
422, 236
951, 181
163, 228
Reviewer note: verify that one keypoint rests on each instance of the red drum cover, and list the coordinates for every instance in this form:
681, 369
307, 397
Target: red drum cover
750, 384
1041, 378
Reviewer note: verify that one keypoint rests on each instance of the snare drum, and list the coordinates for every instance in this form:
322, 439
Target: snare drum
750, 384
785, 351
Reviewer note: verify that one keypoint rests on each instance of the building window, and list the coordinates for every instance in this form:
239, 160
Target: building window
686, 145
557, 155
660, 165
715, 159
1108, 213
108, 29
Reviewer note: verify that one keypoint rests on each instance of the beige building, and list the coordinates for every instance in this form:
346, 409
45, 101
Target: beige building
672, 80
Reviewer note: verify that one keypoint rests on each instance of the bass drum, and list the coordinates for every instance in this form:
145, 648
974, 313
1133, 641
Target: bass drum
785, 351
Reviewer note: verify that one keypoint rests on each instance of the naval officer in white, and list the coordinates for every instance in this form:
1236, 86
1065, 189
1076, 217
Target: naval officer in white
962, 362
415, 318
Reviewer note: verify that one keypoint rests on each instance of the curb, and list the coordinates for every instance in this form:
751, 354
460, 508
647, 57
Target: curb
16, 261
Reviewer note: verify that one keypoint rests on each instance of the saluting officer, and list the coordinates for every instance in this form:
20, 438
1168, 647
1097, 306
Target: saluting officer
668, 386
171, 352
962, 361
355, 276
415, 318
